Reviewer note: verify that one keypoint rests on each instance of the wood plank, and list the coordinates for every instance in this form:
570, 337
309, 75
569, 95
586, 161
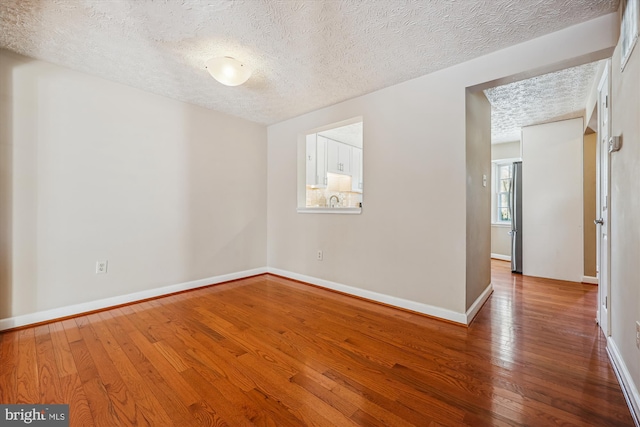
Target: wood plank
152, 380
97, 397
143, 397
171, 356
48, 375
314, 411
28, 384
64, 359
223, 410
202, 348
185, 392
113, 392
73, 393
9, 355
272, 412
71, 330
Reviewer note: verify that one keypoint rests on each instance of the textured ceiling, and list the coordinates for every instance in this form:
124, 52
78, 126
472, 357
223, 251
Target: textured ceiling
552, 96
306, 54
349, 134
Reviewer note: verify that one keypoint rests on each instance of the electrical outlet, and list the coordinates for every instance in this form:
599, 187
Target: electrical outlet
319, 256
101, 267
638, 334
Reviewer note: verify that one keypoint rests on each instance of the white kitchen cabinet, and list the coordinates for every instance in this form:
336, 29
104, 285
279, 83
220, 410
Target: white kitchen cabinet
311, 159
316, 161
338, 157
321, 162
356, 169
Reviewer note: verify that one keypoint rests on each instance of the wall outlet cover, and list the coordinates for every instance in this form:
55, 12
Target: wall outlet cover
101, 267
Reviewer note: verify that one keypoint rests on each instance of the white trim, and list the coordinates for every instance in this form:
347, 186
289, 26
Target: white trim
590, 279
628, 28
508, 160
339, 124
348, 211
72, 310
625, 379
478, 303
430, 310
503, 224
501, 257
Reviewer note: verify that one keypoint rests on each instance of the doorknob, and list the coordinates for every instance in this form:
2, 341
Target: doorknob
598, 221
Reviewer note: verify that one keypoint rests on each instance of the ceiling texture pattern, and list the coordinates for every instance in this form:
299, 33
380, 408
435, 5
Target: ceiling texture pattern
553, 96
306, 54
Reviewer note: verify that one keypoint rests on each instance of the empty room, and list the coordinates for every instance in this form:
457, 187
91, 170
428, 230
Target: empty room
328, 213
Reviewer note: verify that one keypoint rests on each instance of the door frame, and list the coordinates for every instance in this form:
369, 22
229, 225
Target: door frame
603, 179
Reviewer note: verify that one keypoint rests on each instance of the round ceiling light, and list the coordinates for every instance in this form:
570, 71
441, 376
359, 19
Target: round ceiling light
228, 71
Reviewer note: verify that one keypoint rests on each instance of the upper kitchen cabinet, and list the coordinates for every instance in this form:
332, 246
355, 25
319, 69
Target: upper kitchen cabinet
316, 168
356, 169
311, 159
338, 157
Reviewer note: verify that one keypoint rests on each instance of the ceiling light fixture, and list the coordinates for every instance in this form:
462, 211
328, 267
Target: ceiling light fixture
228, 71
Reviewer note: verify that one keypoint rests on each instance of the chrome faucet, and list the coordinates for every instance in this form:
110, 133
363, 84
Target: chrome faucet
331, 200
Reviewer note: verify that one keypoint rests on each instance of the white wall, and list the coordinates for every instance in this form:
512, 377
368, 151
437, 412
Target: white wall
505, 150
410, 241
552, 206
395, 232
625, 221
91, 170
501, 241
478, 203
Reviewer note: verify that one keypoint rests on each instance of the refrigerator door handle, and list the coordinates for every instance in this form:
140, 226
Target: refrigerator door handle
514, 194
511, 195
516, 224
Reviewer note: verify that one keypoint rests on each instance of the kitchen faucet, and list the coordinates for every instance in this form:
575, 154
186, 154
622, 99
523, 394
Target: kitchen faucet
331, 199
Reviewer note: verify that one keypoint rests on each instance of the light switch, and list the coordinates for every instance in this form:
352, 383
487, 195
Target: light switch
484, 180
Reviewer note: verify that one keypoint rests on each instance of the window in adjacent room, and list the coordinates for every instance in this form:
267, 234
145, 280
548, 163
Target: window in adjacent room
502, 192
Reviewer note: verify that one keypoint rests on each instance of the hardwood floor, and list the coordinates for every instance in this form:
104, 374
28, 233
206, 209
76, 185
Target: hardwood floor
268, 351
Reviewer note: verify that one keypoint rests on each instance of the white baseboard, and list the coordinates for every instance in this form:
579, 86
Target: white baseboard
478, 303
590, 279
430, 310
72, 310
501, 257
629, 389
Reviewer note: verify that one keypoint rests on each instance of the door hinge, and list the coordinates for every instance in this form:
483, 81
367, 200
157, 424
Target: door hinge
606, 101
606, 302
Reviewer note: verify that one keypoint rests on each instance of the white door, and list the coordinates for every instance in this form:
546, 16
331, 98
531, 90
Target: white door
602, 241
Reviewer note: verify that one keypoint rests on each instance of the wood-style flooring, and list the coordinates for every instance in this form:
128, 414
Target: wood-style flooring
268, 351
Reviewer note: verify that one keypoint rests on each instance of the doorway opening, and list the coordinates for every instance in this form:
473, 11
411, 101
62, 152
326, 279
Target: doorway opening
550, 123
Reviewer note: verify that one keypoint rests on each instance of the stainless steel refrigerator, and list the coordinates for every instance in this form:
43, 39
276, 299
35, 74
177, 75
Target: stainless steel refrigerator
516, 217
